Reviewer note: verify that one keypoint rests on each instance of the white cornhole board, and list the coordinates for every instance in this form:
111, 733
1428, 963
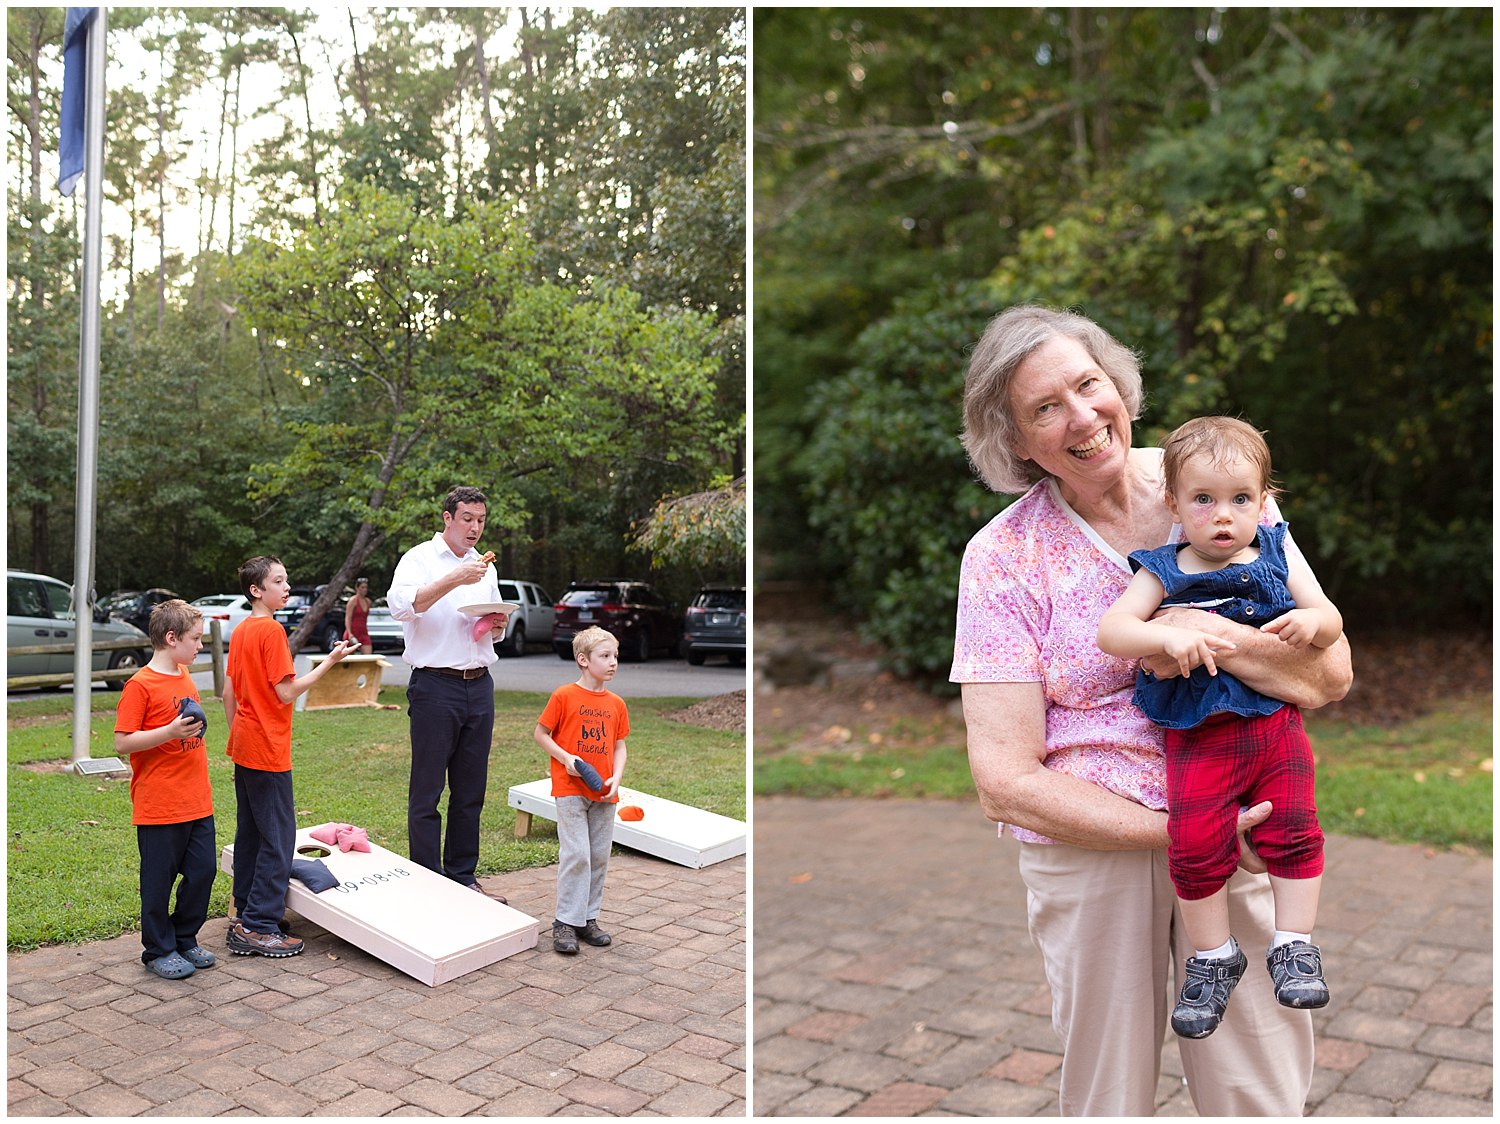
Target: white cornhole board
416, 920
676, 832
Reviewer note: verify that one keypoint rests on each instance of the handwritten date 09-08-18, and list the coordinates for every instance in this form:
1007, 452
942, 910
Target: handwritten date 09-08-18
374, 880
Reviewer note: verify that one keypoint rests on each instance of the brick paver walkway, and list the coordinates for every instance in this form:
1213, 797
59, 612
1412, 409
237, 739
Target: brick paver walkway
894, 975
654, 1025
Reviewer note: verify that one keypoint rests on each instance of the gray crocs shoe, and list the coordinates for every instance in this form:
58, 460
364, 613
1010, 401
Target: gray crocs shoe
171, 967
198, 956
1205, 993
1297, 975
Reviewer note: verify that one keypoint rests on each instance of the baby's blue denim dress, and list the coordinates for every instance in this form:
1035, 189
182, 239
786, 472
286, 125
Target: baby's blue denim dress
1250, 593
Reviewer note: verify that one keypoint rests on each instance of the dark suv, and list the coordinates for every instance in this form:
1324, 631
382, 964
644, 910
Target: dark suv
329, 631
638, 617
714, 625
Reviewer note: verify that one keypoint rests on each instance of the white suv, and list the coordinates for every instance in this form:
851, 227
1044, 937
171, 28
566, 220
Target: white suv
533, 623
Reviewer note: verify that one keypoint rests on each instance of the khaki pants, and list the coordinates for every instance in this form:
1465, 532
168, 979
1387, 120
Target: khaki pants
1106, 926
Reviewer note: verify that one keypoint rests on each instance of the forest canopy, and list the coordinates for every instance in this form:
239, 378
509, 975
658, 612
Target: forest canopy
1286, 212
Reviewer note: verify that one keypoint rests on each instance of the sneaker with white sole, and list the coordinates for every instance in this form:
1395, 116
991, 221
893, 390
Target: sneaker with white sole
247, 942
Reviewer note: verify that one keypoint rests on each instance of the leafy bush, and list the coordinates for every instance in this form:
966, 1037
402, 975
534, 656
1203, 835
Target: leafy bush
890, 495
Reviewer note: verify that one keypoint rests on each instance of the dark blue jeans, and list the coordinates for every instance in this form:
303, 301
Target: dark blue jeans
451, 724
170, 850
265, 842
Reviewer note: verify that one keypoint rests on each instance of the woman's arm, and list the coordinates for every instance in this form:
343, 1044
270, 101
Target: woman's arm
1307, 677
1007, 745
1006, 750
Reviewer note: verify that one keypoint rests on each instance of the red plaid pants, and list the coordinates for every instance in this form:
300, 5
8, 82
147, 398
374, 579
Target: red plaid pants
1223, 763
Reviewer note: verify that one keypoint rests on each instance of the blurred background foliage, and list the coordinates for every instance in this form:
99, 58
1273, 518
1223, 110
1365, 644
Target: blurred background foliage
1286, 212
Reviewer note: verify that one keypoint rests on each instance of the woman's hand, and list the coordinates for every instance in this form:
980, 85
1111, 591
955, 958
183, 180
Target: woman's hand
1250, 859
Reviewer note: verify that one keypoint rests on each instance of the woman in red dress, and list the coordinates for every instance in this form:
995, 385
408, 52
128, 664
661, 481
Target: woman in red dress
355, 615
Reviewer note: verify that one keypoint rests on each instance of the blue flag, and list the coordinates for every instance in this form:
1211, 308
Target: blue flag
75, 87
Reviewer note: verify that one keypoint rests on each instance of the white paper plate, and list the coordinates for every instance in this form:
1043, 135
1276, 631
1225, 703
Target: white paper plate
489, 607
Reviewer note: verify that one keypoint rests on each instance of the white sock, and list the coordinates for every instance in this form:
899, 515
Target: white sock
1281, 937
1223, 952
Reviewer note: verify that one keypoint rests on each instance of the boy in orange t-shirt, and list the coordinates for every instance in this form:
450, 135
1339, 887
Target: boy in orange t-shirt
593, 723
159, 726
258, 703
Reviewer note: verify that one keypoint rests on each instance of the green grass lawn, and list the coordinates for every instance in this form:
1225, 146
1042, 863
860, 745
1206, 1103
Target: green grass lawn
1424, 781
72, 864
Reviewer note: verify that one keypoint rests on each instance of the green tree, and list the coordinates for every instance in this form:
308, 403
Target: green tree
426, 354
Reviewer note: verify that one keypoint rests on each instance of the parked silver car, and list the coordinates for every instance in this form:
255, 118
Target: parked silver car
385, 630
532, 624
39, 610
226, 608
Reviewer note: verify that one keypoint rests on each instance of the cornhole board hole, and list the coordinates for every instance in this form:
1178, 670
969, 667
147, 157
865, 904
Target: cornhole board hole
676, 832
353, 681
415, 920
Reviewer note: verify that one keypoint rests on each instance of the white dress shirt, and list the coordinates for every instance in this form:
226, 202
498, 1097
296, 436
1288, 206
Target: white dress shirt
442, 636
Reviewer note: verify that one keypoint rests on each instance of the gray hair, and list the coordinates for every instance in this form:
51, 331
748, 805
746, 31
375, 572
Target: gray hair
991, 435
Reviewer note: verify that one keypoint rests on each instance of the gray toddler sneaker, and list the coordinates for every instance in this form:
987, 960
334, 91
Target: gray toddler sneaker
1205, 993
1297, 975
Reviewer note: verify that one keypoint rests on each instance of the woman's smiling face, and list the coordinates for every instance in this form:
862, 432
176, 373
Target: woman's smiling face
1072, 420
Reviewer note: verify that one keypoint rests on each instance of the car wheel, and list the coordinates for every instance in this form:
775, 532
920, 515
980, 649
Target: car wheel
564, 651
129, 663
640, 646
695, 657
332, 635
737, 659
515, 644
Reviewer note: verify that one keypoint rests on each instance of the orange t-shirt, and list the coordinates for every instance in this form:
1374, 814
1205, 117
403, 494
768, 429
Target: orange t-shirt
261, 736
588, 724
168, 784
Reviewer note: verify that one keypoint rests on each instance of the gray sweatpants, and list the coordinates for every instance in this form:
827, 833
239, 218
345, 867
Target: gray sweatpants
585, 830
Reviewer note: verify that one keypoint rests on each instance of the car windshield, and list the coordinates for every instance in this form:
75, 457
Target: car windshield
223, 599
594, 595
721, 599
121, 600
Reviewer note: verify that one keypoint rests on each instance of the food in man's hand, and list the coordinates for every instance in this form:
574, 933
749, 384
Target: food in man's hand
489, 556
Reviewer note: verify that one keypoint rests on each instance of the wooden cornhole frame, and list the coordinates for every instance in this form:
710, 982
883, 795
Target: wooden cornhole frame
417, 921
676, 832
353, 681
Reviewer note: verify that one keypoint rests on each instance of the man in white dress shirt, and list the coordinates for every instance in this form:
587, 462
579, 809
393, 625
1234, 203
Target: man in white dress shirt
451, 694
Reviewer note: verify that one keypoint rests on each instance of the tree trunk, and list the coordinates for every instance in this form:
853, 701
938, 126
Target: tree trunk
40, 524
213, 203
1076, 48
366, 541
234, 142
312, 151
362, 85
484, 86
161, 210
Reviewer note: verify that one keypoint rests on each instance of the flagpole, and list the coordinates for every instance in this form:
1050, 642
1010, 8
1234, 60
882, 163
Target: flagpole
88, 394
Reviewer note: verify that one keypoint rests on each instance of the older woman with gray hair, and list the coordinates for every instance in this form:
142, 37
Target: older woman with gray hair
1060, 754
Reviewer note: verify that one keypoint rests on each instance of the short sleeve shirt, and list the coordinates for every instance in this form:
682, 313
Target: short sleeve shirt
259, 658
586, 724
1034, 584
168, 784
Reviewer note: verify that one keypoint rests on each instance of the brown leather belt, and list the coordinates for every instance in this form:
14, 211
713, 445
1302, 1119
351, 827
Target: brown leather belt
458, 672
